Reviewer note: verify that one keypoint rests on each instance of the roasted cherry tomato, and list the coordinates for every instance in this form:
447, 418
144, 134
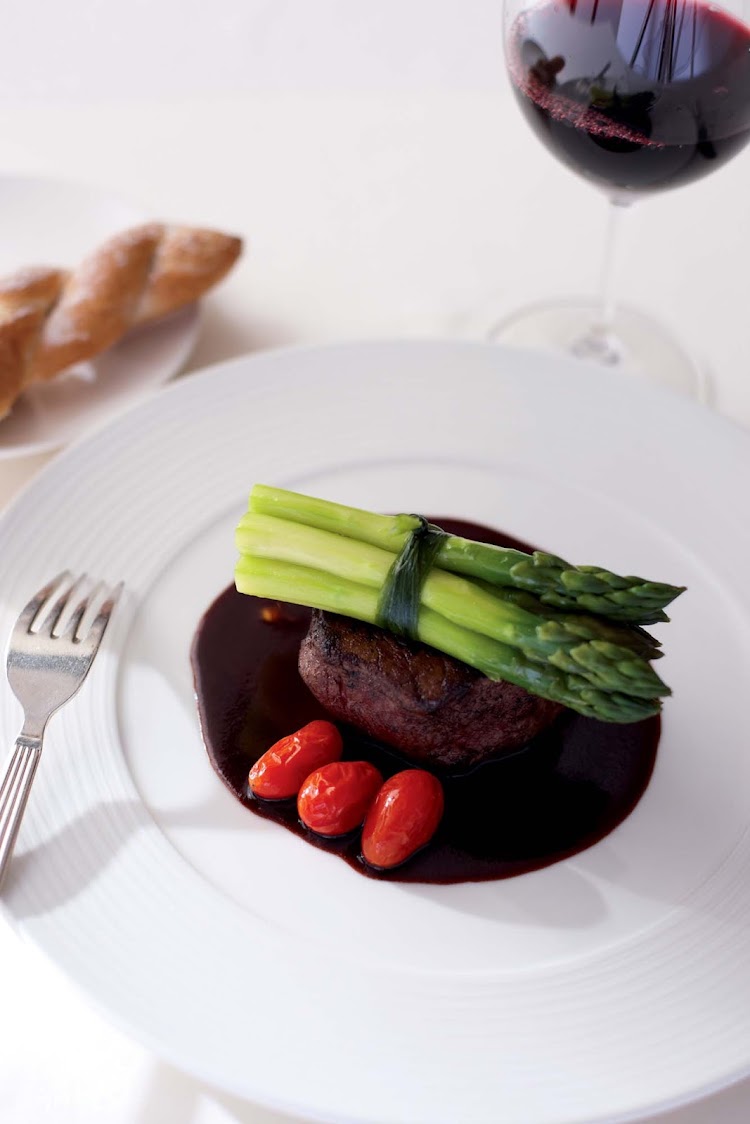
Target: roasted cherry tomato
403, 817
334, 800
279, 773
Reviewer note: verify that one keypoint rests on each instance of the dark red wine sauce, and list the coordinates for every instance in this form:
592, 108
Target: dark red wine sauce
564, 791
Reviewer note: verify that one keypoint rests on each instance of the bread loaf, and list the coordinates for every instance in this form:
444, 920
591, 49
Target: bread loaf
51, 319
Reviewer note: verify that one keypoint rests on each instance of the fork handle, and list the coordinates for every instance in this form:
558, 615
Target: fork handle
14, 793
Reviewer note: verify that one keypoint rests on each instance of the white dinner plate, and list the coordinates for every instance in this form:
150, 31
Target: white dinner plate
597, 989
59, 222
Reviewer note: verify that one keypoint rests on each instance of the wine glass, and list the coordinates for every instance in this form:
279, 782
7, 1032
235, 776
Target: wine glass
636, 96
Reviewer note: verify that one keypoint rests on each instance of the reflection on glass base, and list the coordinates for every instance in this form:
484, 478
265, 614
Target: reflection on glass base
634, 343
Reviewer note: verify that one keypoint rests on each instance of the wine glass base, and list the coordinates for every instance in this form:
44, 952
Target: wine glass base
634, 343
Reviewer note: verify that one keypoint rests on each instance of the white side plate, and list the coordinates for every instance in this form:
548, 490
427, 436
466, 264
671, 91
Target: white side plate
52, 222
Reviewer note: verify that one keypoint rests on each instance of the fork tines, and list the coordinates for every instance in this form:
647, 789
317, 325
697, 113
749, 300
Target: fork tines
73, 607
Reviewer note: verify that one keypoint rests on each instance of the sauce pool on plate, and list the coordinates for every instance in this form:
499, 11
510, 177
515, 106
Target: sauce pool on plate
568, 788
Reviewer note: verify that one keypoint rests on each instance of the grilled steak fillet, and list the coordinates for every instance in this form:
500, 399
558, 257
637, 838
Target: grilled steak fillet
432, 708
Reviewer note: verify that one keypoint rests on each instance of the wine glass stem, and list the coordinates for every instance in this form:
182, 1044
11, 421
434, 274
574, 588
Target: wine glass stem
600, 342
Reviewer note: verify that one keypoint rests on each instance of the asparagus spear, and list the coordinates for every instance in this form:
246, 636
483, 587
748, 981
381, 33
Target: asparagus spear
606, 657
303, 585
555, 582
585, 626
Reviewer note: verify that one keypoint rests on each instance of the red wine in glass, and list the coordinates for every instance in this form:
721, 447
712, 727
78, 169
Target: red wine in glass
634, 94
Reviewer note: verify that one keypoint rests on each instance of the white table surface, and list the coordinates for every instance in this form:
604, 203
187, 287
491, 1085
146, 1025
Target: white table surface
387, 186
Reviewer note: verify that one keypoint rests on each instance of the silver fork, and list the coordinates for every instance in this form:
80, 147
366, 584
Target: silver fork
49, 656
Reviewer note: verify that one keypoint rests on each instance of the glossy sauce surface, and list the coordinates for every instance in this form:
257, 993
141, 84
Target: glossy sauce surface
564, 791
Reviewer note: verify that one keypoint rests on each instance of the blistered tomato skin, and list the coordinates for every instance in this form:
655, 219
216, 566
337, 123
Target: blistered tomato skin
281, 771
402, 819
334, 800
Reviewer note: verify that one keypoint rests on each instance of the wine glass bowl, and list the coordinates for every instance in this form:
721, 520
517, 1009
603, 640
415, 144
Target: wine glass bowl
635, 96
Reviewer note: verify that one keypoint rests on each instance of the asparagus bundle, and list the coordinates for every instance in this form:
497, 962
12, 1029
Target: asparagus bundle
322, 555
580, 588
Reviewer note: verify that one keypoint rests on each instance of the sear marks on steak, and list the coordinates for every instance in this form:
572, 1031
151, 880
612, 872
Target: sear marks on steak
431, 707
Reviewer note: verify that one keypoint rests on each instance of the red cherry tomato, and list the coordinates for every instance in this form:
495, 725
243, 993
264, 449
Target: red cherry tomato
403, 818
279, 773
334, 800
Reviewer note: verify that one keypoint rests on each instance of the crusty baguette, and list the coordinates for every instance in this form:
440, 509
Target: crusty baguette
26, 299
187, 261
51, 319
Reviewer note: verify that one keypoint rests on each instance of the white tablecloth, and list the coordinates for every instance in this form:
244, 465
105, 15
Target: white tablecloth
387, 186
